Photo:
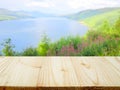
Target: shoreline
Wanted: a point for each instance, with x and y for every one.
(83, 23)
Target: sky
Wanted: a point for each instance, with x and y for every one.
(57, 7)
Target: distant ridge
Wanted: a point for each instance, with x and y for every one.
(6, 14)
(89, 13)
(96, 20)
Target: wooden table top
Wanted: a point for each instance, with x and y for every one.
(59, 71)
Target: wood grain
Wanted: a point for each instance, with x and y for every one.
(38, 72)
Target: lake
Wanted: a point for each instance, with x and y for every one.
(27, 32)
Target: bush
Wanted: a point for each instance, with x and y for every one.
(29, 52)
(111, 47)
(92, 35)
(70, 40)
(52, 50)
(117, 25)
(107, 48)
(92, 50)
(0, 54)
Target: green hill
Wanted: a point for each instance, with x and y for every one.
(10, 15)
(96, 20)
(96, 17)
(89, 13)
(5, 17)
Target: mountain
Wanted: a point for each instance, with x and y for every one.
(10, 15)
(97, 16)
(89, 13)
(98, 19)
(6, 14)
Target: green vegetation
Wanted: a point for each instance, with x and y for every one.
(43, 46)
(29, 52)
(6, 14)
(5, 17)
(90, 13)
(102, 41)
(8, 48)
(96, 20)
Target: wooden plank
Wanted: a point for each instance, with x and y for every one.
(96, 72)
(38, 72)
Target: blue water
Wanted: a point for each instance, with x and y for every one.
(27, 32)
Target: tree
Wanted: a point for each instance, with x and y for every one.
(43, 46)
(8, 48)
